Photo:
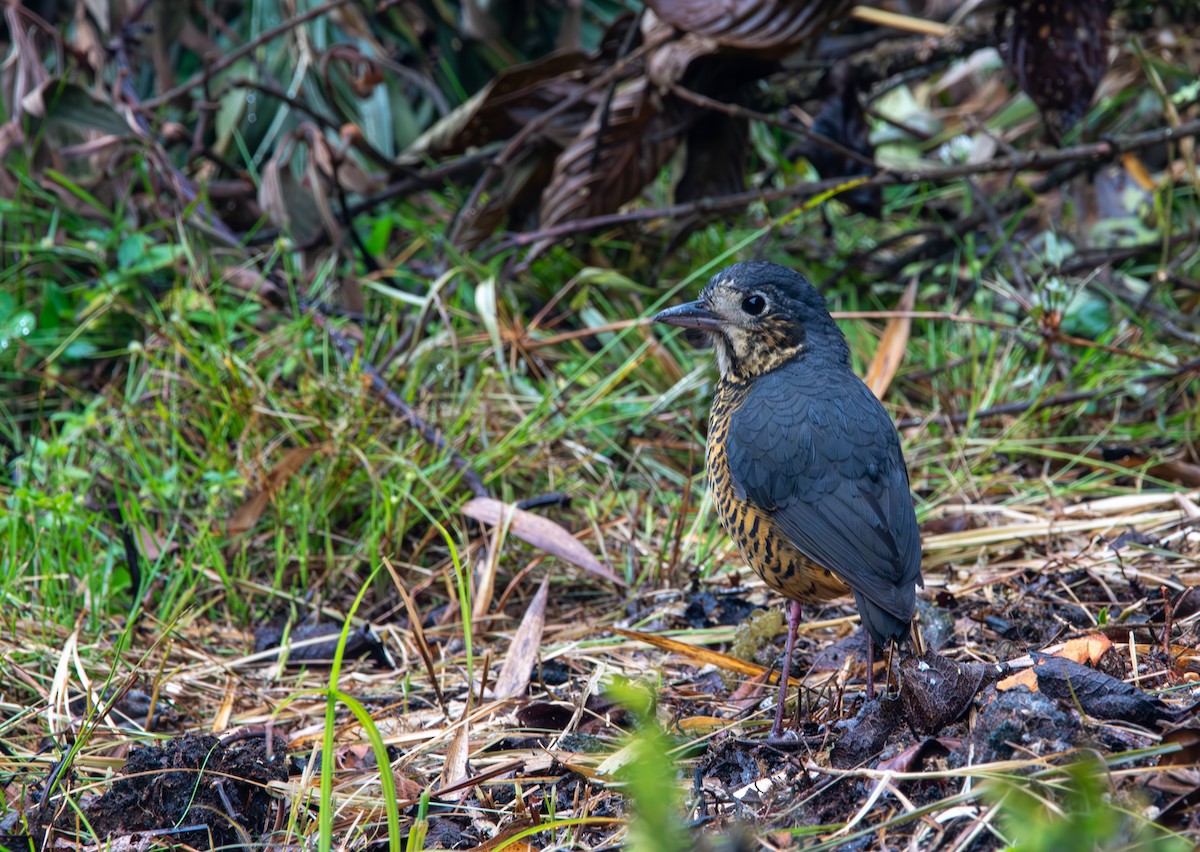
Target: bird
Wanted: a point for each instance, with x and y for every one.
(805, 466)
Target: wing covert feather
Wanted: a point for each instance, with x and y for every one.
(828, 465)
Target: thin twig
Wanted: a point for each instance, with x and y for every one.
(1094, 152)
(380, 385)
(737, 111)
(1034, 405)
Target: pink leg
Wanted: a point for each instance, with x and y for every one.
(793, 619)
(870, 668)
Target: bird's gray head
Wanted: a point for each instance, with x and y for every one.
(759, 316)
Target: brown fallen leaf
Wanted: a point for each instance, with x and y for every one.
(702, 723)
(1178, 471)
(892, 345)
(623, 145)
(455, 768)
(1102, 696)
(770, 29)
(937, 690)
(248, 513)
(913, 758)
(700, 656)
(542, 533)
(153, 544)
(523, 652)
(1086, 650)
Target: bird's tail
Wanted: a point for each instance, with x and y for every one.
(883, 626)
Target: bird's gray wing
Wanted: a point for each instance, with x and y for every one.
(817, 450)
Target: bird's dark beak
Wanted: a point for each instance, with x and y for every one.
(692, 315)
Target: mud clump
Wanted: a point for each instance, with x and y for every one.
(194, 790)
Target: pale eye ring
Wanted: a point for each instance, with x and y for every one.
(754, 304)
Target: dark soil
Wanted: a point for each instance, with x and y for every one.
(194, 790)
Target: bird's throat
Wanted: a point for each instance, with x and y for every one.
(742, 357)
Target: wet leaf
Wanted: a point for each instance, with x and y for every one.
(1188, 740)
(1098, 694)
(71, 105)
(315, 644)
(523, 652)
(152, 544)
(769, 28)
(1057, 50)
(502, 107)
(616, 153)
(287, 202)
(1087, 649)
(545, 716)
(913, 758)
(512, 197)
(937, 690)
(456, 768)
(489, 315)
(1179, 471)
(866, 734)
(542, 533)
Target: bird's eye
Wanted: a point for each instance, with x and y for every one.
(754, 305)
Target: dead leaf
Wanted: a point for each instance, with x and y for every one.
(152, 544)
(700, 656)
(454, 770)
(702, 723)
(285, 200)
(418, 633)
(617, 152)
(937, 690)
(1178, 471)
(1188, 740)
(866, 734)
(542, 533)
(545, 716)
(71, 105)
(523, 652)
(511, 197)
(1100, 695)
(892, 345)
(248, 513)
(1137, 170)
(768, 28)
(1086, 650)
(500, 109)
(913, 758)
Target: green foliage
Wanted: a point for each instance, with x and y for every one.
(650, 775)
(1074, 811)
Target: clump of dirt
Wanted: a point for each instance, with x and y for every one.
(200, 791)
(1027, 721)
